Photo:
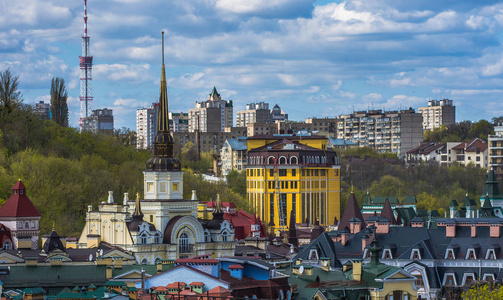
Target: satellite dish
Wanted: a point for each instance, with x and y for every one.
(301, 269)
(325, 263)
(90, 257)
(101, 252)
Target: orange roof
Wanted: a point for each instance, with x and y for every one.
(176, 285)
(161, 289)
(236, 266)
(197, 283)
(218, 290)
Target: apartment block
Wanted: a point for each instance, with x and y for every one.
(213, 115)
(254, 113)
(43, 110)
(233, 155)
(438, 113)
(100, 121)
(390, 131)
(209, 141)
(328, 125)
(146, 126)
(277, 114)
(495, 155)
(179, 122)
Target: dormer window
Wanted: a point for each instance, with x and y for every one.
(143, 239)
(415, 254)
(490, 254)
(449, 279)
(471, 254)
(21, 192)
(449, 254)
(313, 254)
(387, 254)
(468, 278)
(488, 277)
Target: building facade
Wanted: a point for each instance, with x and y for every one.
(254, 113)
(213, 115)
(209, 141)
(438, 113)
(146, 125)
(293, 172)
(391, 131)
(495, 155)
(233, 155)
(43, 110)
(277, 114)
(100, 121)
(179, 122)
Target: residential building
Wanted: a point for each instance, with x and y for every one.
(438, 113)
(146, 125)
(424, 153)
(328, 125)
(100, 121)
(495, 155)
(261, 128)
(474, 152)
(340, 144)
(43, 110)
(213, 115)
(389, 131)
(209, 141)
(277, 114)
(254, 113)
(293, 172)
(179, 122)
(233, 155)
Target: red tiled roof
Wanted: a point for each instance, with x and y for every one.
(161, 289)
(218, 290)
(197, 283)
(236, 266)
(224, 204)
(176, 285)
(19, 205)
(187, 292)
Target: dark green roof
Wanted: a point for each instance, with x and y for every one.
(32, 291)
(453, 203)
(491, 187)
(409, 200)
(115, 283)
(367, 200)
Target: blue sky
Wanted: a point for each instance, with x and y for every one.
(313, 58)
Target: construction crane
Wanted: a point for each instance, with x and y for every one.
(281, 215)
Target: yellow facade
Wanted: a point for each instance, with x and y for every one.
(312, 189)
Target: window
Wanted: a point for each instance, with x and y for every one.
(322, 172)
(27, 225)
(471, 254)
(143, 239)
(294, 172)
(294, 160)
(419, 283)
(295, 184)
(224, 237)
(271, 172)
(316, 172)
(449, 279)
(488, 277)
(183, 243)
(490, 254)
(282, 172)
(282, 160)
(271, 207)
(303, 172)
(150, 187)
(313, 254)
(7, 245)
(175, 187)
(450, 254)
(386, 254)
(415, 254)
(151, 218)
(468, 279)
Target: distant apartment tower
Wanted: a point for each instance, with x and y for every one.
(254, 113)
(323, 124)
(277, 114)
(43, 110)
(179, 122)
(212, 115)
(495, 161)
(391, 131)
(146, 125)
(438, 113)
(100, 121)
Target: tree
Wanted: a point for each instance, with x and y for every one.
(487, 291)
(10, 96)
(497, 120)
(236, 181)
(59, 96)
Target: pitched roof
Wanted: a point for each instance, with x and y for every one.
(352, 210)
(387, 212)
(19, 205)
(491, 187)
(325, 248)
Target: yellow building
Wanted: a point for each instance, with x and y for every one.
(298, 172)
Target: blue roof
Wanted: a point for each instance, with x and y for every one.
(340, 142)
(237, 144)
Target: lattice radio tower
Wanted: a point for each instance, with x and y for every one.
(86, 77)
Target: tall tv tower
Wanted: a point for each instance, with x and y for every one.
(86, 77)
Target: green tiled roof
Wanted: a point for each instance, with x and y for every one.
(115, 283)
(409, 200)
(381, 199)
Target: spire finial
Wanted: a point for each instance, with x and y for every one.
(137, 209)
(163, 48)
(53, 226)
(351, 188)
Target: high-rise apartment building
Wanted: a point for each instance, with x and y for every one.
(293, 172)
(146, 126)
(212, 115)
(179, 122)
(391, 131)
(495, 161)
(254, 113)
(43, 110)
(438, 113)
(100, 121)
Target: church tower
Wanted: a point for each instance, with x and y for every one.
(163, 176)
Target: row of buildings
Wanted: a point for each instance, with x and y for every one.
(211, 122)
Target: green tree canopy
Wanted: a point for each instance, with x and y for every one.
(59, 106)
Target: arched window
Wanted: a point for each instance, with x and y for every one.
(183, 243)
(225, 237)
(282, 160)
(7, 245)
(294, 160)
(270, 160)
(143, 239)
(144, 261)
(157, 238)
(27, 225)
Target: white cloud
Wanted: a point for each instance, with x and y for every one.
(119, 72)
(126, 102)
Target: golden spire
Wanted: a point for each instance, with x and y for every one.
(163, 122)
(53, 226)
(351, 188)
(218, 205)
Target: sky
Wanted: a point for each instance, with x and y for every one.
(313, 58)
